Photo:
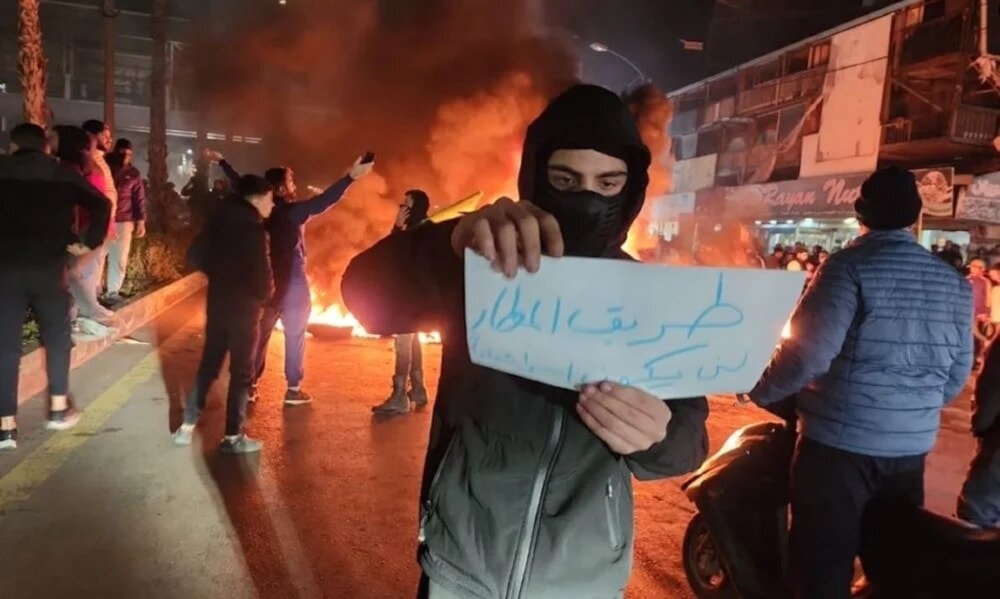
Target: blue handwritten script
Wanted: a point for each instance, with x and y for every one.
(671, 331)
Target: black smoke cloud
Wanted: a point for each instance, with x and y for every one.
(441, 90)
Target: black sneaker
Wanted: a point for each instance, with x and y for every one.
(297, 398)
(8, 439)
(63, 419)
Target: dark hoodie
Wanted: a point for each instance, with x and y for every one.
(232, 252)
(38, 202)
(519, 498)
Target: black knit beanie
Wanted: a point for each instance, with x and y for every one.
(889, 200)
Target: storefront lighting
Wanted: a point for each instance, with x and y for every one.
(789, 222)
(756, 222)
(774, 222)
(808, 223)
(850, 221)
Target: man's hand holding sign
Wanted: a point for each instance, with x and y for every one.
(585, 325)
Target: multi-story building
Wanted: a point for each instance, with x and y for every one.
(762, 26)
(785, 140)
(73, 36)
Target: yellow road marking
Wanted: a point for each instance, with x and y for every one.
(39, 465)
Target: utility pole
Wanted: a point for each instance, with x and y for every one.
(110, 13)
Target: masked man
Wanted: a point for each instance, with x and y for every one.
(527, 487)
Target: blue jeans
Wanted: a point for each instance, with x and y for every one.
(293, 309)
(84, 280)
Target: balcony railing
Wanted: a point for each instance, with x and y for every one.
(782, 91)
(966, 124)
(940, 37)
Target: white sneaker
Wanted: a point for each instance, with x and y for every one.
(184, 435)
(92, 328)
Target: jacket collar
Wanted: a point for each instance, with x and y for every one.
(893, 235)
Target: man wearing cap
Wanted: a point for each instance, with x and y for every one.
(882, 343)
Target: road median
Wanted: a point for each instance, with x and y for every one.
(132, 316)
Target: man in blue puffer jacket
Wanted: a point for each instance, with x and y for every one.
(882, 341)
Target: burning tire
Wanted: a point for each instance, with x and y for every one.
(703, 564)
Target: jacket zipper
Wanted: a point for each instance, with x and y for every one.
(432, 491)
(611, 511)
(523, 552)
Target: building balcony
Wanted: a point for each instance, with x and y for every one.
(941, 136)
(942, 37)
(782, 91)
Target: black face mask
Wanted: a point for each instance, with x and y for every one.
(590, 223)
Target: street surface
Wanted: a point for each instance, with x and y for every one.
(329, 509)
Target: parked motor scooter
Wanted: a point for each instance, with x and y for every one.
(736, 546)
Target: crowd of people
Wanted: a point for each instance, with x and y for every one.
(527, 487)
(73, 204)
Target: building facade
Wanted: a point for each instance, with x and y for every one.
(73, 33)
(785, 140)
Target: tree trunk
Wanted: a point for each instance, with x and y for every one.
(158, 118)
(31, 62)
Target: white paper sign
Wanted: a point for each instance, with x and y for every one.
(671, 331)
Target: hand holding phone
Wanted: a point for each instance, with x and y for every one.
(362, 166)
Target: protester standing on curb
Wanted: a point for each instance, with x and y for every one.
(38, 202)
(130, 217)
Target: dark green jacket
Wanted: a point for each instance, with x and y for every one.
(519, 499)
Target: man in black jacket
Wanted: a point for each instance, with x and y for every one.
(38, 200)
(232, 252)
(527, 487)
(979, 502)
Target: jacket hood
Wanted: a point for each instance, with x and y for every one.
(586, 117)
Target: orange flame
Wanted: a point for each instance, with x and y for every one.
(335, 316)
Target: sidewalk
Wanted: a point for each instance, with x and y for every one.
(126, 516)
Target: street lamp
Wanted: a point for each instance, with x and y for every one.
(602, 49)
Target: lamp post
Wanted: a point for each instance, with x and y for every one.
(639, 75)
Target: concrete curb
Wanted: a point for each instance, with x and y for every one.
(130, 318)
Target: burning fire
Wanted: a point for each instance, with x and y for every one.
(337, 317)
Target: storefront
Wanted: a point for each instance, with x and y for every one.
(817, 211)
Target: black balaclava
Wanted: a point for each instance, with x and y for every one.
(586, 117)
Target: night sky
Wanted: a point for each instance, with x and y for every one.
(646, 31)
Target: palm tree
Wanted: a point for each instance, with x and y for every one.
(31, 62)
(158, 115)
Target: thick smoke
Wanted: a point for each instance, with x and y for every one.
(443, 94)
(653, 112)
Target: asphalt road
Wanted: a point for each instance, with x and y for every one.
(329, 509)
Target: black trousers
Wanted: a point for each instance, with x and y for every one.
(831, 489)
(45, 290)
(230, 330)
